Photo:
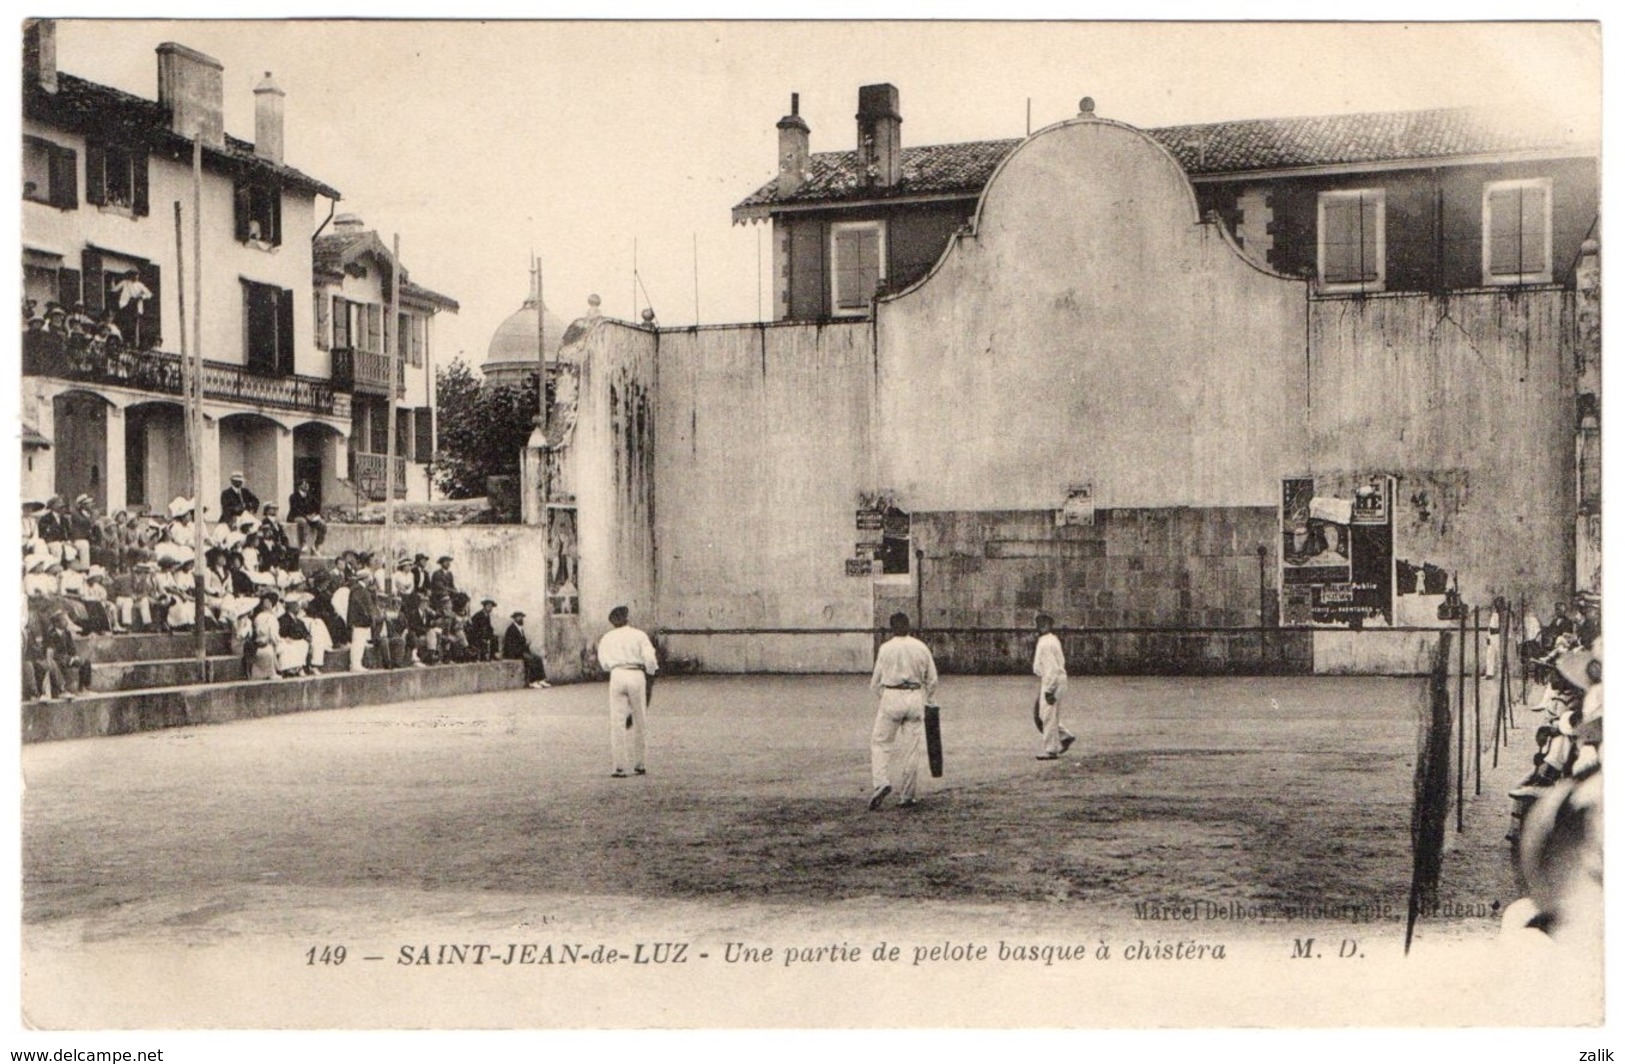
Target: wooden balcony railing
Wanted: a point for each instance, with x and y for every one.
(367, 473)
(74, 358)
(370, 372)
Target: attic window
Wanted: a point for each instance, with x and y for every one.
(259, 213)
(857, 265)
(1518, 232)
(116, 177)
(1352, 244)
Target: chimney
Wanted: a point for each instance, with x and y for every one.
(190, 85)
(39, 53)
(349, 223)
(880, 135)
(793, 144)
(268, 120)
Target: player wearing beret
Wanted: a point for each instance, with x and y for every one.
(627, 655)
(1049, 665)
(905, 676)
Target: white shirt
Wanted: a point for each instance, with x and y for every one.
(902, 659)
(1049, 663)
(627, 647)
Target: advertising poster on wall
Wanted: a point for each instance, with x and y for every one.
(1336, 553)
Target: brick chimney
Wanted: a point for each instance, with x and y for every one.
(793, 148)
(39, 53)
(880, 135)
(190, 84)
(349, 223)
(268, 120)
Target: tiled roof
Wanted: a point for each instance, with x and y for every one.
(86, 107)
(1209, 149)
(333, 251)
(1336, 140)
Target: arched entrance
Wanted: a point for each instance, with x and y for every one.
(318, 452)
(81, 446)
(248, 443)
(157, 466)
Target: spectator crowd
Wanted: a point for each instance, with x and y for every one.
(86, 574)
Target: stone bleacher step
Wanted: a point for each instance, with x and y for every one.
(149, 709)
(149, 646)
(110, 676)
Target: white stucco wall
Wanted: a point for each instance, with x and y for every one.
(1091, 331)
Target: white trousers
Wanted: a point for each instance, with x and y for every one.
(360, 640)
(1050, 716)
(627, 691)
(897, 741)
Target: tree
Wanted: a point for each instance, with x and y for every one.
(483, 429)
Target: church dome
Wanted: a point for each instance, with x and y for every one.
(512, 354)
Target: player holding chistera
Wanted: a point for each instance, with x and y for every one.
(627, 655)
(905, 677)
(1049, 665)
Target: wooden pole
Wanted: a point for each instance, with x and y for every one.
(201, 639)
(392, 351)
(544, 421)
(1478, 726)
(1461, 715)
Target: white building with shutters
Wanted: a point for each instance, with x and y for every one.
(103, 173)
(353, 290)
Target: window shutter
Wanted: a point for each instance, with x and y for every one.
(152, 318)
(1532, 224)
(846, 254)
(94, 294)
(1368, 239)
(64, 178)
(424, 423)
(240, 199)
(403, 432)
(341, 322)
(138, 182)
(403, 338)
(67, 287)
(324, 339)
(95, 172)
(275, 192)
(1505, 231)
(284, 331)
(260, 306)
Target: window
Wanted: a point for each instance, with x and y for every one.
(1352, 246)
(857, 265)
(126, 287)
(1518, 232)
(341, 322)
(47, 280)
(319, 306)
(259, 213)
(268, 329)
(116, 177)
(423, 443)
(50, 173)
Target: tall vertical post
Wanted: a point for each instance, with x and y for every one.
(544, 422)
(1478, 690)
(1461, 716)
(392, 348)
(198, 627)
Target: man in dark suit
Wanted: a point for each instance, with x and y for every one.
(361, 615)
(442, 584)
(482, 635)
(516, 647)
(237, 500)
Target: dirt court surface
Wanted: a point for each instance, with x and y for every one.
(496, 815)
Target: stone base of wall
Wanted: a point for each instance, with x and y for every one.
(1160, 652)
(176, 707)
(842, 652)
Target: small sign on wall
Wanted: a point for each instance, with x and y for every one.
(1079, 507)
(859, 567)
